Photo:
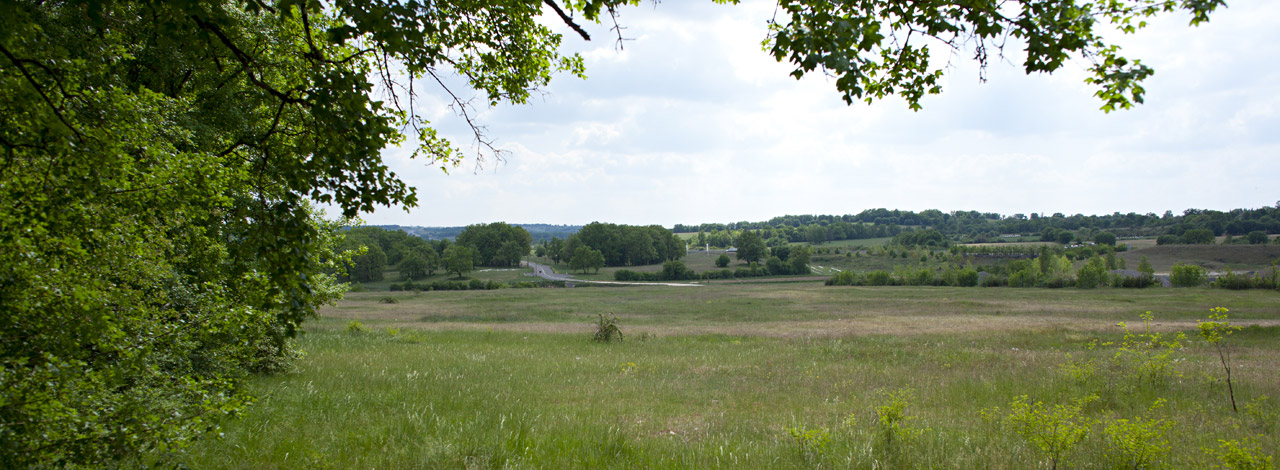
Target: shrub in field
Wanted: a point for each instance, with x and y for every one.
(843, 278)
(967, 277)
(1187, 275)
(811, 443)
(1024, 278)
(1139, 442)
(1215, 332)
(1054, 431)
(722, 261)
(1257, 237)
(356, 327)
(607, 329)
(1199, 236)
(1231, 280)
(1092, 274)
(877, 278)
(892, 422)
(1147, 355)
(388, 300)
(676, 271)
(1235, 455)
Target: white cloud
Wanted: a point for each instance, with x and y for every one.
(692, 122)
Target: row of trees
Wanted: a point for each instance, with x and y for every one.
(970, 225)
(813, 233)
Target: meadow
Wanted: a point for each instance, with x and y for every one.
(791, 375)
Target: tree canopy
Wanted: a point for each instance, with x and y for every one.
(496, 244)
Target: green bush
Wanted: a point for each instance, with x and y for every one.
(607, 329)
(1188, 275)
(843, 278)
(1054, 431)
(1092, 274)
(676, 271)
(1231, 280)
(967, 277)
(877, 278)
(1199, 236)
(722, 261)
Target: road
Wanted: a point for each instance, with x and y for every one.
(545, 272)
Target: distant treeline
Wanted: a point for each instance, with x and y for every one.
(974, 226)
(539, 232)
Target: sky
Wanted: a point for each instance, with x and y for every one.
(693, 122)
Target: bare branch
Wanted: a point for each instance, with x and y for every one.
(460, 107)
(617, 28)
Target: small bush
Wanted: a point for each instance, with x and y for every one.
(388, 300)
(1235, 455)
(1139, 442)
(1188, 275)
(843, 278)
(894, 424)
(810, 442)
(1147, 355)
(607, 329)
(1230, 280)
(356, 327)
(877, 278)
(967, 277)
(1055, 432)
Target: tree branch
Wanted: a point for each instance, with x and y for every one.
(567, 20)
(56, 111)
(478, 131)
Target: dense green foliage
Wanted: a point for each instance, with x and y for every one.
(160, 162)
(751, 247)
(621, 245)
(868, 46)
(1188, 275)
(496, 244)
(928, 237)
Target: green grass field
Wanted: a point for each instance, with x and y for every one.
(1213, 257)
(719, 376)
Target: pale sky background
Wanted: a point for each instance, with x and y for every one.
(693, 122)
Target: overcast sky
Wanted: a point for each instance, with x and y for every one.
(694, 123)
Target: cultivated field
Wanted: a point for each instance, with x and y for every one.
(759, 376)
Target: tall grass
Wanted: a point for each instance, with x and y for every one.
(483, 398)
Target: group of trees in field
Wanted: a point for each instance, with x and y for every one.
(496, 244)
(598, 245)
(376, 249)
